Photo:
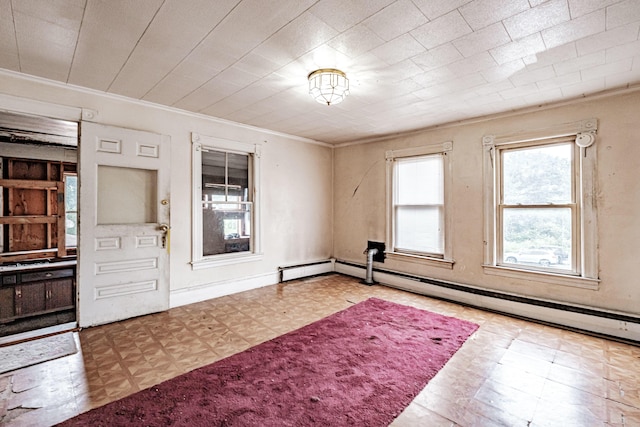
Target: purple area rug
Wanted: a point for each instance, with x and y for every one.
(360, 366)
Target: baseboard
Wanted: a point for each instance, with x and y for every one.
(597, 321)
(298, 271)
(207, 291)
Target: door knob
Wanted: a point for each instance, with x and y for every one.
(163, 227)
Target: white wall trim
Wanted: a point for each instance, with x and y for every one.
(149, 104)
(190, 295)
(15, 104)
(582, 321)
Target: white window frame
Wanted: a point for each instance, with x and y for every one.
(584, 241)
(203, 142)
(391, 156)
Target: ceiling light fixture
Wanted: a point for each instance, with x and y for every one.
(328, 85)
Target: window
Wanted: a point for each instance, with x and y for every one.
(71, 209)
(225, 201)
(417, 202)
(536, 202)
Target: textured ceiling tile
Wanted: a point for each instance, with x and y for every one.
(251, 64)
(295, 39)
(399, 49)
(551, 56)
(525, 77)
(8, 43)
(342, 15)
(437, 57)
(566, 32)
(584, 88)
(617, 67)
(441, 30)
(45, 48)
(436, 8)
(623, 13)
(184, 79)
(461, 84)
(627, 50)
(519, 91)
(473, 64)
(171, 90)
(256, 64)
(504, 71)
(63, 13)
(493, 88)
(402, 70)
(398, 18)
(212, 91)
(560, 81)
(544, 96)
(176, 29)
(583, 7)
(580, 63)
(109, 33)
(622, 79)
(356, 41)
(482, 13)
(518, 49)
(434, 77)
(539, 18)
(607, 39)
(481, 40)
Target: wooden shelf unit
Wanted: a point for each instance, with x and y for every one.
(33, 209)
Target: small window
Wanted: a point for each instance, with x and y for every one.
(417, 203)
(537, 206)
(71, 210)
(225, 201)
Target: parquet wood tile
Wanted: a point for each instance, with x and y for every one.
(510, 372)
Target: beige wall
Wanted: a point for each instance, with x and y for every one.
(296, 180)
(359, 199)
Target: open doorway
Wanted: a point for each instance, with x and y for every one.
(38, 223)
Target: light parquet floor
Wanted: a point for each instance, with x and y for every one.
(509, 373)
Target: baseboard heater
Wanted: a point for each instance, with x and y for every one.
(585, 319)
(291, 272)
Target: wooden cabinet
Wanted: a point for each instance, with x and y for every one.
(31, 293)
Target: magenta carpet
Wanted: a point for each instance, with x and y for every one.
(360, 366)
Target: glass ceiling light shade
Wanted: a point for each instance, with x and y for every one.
(328, 86)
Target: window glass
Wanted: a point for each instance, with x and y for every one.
(71, 210)
(538, 209)
(419, 205)
(538, 175)
(538, 237)
(226, 204)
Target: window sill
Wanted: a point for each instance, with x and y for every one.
(422, 260)
(537, 276)
(226, 259)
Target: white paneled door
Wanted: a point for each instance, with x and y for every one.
(123, 263)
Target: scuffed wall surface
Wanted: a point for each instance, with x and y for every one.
(359, 198)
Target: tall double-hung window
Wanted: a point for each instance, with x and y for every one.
(417, 204)
(225, 182)
(539, 207)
